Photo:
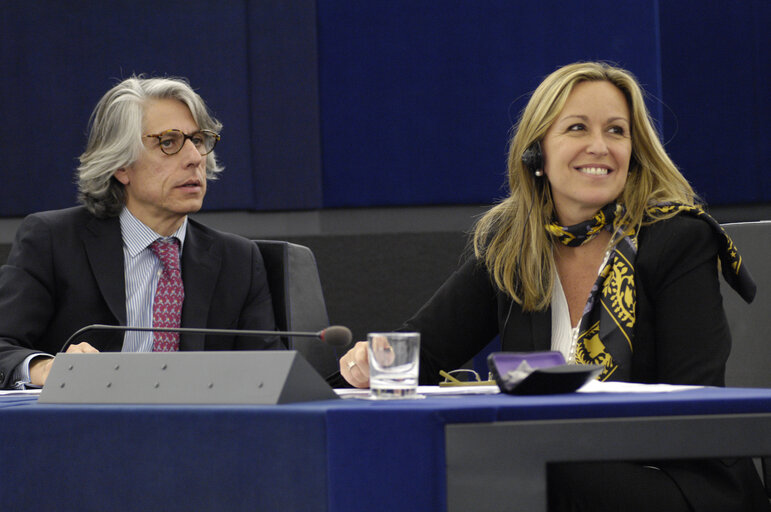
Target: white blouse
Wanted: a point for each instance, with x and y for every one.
(564, 336)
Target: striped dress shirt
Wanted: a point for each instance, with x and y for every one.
(142, 271)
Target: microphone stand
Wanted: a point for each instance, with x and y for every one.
(192, 330)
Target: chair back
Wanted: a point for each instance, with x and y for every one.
(298, 300)
(749, 364)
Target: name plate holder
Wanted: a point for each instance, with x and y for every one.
(233, 377)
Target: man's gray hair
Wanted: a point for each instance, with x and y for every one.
(115, 138)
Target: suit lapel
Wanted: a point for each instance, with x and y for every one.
(524, 332)
(201, 261)
(541, 325)
(104, 246)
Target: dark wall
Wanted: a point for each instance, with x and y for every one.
(253, 61)
(417, 98)
(376, 282)
(333, 103)
(716, 69)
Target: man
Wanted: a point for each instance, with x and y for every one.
(129, 255)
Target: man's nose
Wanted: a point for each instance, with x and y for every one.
(191, 153)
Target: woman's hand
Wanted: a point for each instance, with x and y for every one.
(354, 365)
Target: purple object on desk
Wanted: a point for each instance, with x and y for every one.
(538, 373)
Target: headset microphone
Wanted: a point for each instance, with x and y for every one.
(532, 157)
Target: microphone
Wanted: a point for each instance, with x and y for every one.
(335, 335)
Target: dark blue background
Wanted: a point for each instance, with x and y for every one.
(333, 103)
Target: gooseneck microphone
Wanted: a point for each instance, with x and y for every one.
(335, 335)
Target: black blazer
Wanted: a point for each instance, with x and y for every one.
(65, 271)
(681, 334)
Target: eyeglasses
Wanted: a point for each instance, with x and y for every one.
(464, 377)
(172, 141)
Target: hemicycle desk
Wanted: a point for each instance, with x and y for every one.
(480, 452)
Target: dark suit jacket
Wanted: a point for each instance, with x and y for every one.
(65, 271)
(681, 336)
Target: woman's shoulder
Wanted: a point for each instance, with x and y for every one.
(683, 229)
(677, 244)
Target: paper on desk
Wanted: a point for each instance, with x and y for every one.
(426, 391)
(20, 392)
(593, 386)
(596, 386)
(459, 390)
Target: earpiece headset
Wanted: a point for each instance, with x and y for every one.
(532, 157)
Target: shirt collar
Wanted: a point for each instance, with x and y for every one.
(137, 236)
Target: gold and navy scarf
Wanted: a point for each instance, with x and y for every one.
(606, 327)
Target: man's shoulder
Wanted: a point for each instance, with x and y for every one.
(73, 215)
(217, 236)
(59, 221)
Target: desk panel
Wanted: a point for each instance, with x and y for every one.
(336, 455)
(70, 458)
(493, 466)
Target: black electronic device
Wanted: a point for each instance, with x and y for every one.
(538, 373)
(532, 157)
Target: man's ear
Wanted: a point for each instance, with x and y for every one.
(122, 176)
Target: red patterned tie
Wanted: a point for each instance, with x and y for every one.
(169, 295)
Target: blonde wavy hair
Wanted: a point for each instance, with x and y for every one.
(511, 238)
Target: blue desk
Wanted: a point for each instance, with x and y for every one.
(336, 455)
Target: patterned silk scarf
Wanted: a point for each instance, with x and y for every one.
(606, 328)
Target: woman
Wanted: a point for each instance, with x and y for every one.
(596, 210)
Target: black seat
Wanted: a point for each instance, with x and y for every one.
(749, 364)
(298, 300)
(750, 359)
